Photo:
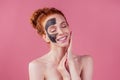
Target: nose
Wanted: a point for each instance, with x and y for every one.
(60, 31)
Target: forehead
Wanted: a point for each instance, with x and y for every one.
(59, 18)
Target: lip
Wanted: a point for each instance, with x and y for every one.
(62, 39)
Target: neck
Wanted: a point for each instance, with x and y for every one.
(57, 53)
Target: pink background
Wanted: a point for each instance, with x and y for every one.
(96, 31)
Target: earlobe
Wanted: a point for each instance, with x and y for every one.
(45, 38)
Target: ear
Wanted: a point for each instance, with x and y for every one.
(45, 37)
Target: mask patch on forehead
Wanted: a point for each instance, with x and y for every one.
(50, 22)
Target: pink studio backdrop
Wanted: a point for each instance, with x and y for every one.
(96, 31)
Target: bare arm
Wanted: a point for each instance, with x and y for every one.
(73, 71)
(71, 63)
(87, 71)
(36, 71)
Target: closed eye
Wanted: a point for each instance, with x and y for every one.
(52, 29)
(64, 25)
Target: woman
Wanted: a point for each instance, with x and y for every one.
(59, 63)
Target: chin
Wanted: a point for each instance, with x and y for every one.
(65, 44)
(62, 45)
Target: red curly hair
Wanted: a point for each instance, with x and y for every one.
(40, 15)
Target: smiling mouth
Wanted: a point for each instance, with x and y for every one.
(62, 39)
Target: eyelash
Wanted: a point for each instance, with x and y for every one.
(53, 30)
(64, 26)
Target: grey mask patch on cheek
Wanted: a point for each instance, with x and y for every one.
(52, 37)
(50, 22)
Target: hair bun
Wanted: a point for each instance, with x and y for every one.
(38, 15)
(35, 16)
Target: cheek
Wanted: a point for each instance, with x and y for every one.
(52, 37)
(66, 30)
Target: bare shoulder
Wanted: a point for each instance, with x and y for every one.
(35, 66)
(37, 69)
(38, 62)
(35, 63)
(87, 67)
(84, 59)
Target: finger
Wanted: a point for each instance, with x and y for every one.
(70, 36)
(63, 60)
(70, 45)
(62, 64)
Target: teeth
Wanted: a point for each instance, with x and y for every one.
(63, 38)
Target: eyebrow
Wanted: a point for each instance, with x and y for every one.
(63, 22)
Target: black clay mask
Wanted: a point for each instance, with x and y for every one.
(50, 22)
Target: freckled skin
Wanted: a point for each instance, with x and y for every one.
(49, 23)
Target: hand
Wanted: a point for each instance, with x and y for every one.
(63, 65)
(71, 63)
(69, 50)
(62, 68)
(68, 60)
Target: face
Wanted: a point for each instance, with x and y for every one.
(57, 29)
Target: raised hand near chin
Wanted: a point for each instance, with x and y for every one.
(69, 50)
(71, 63)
